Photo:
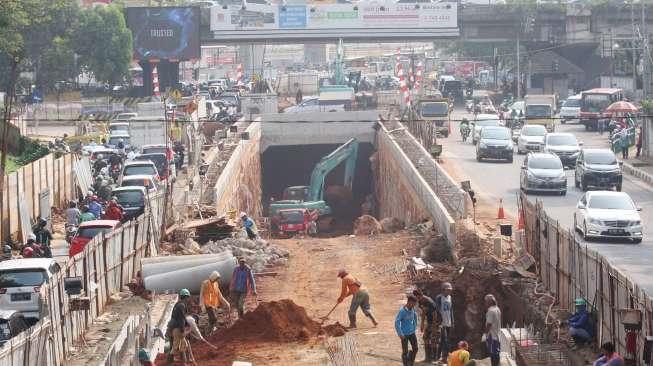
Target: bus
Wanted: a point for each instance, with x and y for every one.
(594, 102)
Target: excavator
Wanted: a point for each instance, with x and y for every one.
(311, 197)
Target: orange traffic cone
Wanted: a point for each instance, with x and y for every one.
(520, 223)
(501, 215)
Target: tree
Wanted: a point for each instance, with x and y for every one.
(104, 44)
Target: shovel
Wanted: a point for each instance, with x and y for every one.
(324, 318)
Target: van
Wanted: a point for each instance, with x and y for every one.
(21, 281)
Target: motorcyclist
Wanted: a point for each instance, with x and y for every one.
(6, 253)
(464, 128)
(114, 211)
(179, 150)
(99, 163)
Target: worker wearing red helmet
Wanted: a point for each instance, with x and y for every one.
(460, 357)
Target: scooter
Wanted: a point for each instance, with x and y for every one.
(71, 231)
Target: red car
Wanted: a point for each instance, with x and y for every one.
(88, 230)
(293, 221)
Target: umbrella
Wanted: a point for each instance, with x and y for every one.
(621, 106)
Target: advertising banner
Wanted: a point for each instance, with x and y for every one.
(165, 33)
(318, 16)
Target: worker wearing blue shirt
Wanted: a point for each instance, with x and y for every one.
(242, 282)
(250, 226)
(580, 327)
(405, 325)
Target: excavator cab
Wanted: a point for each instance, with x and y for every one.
(295, 193)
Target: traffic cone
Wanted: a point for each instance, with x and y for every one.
(501, 215)
(520, 223)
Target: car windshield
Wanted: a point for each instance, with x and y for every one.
(115, 140)
(229, 98)
(140, 169)
(131, 197)
(22, 277)
(90, 232)
(435, 109)
(544, 163)
(159, 160)
(601, 158)
(119, 128)
(561, 140)
(535, 130)
(572, 103)
(154, 150)
(595, 102)
(137, 183)
(496, 133)
(538, 111)
(611, 203)
(292, 217)
(487, 122)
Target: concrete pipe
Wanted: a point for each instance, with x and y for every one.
(191, 278)
(150, 269)
(172, 258)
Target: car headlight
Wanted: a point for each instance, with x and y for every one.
(635, 223)
(595, 221)
(533, 177)
(562, 176)
(508, 147)
(482, 145)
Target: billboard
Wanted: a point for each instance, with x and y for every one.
(171, 33)
(361, 16)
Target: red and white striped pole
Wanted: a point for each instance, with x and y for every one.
(403, 87)
(418, 77)
(239, 74)
(155, 81)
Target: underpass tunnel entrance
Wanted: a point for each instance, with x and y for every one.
(285, 166)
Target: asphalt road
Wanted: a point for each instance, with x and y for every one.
(494, 180)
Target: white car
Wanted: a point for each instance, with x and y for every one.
(307, 105)
(483, 120)
(140, 180)
(606, 214)
(116, 128)
(531, 138)
(126, 116)
(139, 167)
(570, 111)
(21, 281)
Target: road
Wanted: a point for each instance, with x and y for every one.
(499, 180)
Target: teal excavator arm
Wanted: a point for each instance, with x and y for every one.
(347, 152)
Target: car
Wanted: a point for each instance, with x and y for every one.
(531, 138)
(495, 143)
(232, 98)
(543, 172)
(140, 180)
(163, 165)
(597, 168)
(20, 284)
(139, 167)
(310, 104)
(103, 153)
(115, 139)
(570, 111)
(132, 199)
(125, 116)
(12, 323)
(483, 120)
(214, 106)
(564, 145)
(117, 128)
(294, 220)
(87, 230)
(607, 214)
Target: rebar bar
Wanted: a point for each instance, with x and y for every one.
(342, 351)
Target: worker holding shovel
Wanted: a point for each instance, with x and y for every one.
(360, 297)
(211, 298)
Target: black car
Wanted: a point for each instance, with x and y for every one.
(495, 143)
(11, 324)
(597, 168)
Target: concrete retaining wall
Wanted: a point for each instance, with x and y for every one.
(287, 129)
(404, 193)
(239, 185)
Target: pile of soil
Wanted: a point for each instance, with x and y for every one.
(366, 225)
(391, 225)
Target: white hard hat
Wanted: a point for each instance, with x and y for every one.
(243, 214)
(31, 236)
(214, 275)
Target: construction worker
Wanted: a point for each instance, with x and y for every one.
(444, 305)
(250, 226)
(176, 327)
(144, 358)
(429, 326)
(360, 297)
(405, 326)
(492, 328)
(193, 330)
(242, 282)
(211, 298)
(460, 357)
(581, 328)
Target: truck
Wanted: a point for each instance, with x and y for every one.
(149, 128)
(436, 110)
(311, 197)
(540, 110)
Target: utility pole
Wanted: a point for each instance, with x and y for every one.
(9, 101)
(633, 46)
(518, 96)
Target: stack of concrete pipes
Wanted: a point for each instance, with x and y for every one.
(172, 273)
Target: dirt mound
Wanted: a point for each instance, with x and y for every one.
(436, 249)
(366, 225)
(391, 225)
(334, 330)
(274, 321)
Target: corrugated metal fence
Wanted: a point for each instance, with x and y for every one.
(570, 270)
(105, 265)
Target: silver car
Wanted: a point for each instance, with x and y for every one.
(21, 281)
(606, 214)
(531, 138)
(543, 172)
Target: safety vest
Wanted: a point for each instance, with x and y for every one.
(455, 358)
(211, 294)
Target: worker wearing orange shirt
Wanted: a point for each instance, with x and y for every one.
(360, 297)
(460, 357)
(211, 298)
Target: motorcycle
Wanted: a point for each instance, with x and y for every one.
(71, 231)
(464, 132)
(469, 92)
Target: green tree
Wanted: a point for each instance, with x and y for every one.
(104, 44)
